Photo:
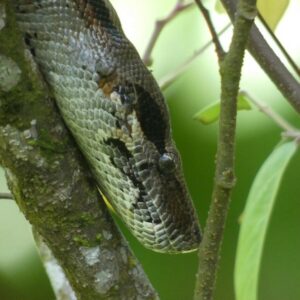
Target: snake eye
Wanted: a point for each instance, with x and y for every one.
(167, 163)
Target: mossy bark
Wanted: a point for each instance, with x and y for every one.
(51, 182)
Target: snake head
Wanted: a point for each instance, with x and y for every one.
(155, 203)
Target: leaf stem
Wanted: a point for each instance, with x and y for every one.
(289, 131)
(268, 111)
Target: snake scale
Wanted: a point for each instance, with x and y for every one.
(117, 115)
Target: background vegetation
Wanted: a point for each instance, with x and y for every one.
(21, 274)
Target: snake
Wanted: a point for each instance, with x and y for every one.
(117, 114)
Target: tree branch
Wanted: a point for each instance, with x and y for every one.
(215, 37)
(230, 70)
(6, 196)
(269, 61)
(279, 44)
(51, 182)
(57, 277)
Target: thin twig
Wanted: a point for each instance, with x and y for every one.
(6, 196)
(269, 61)
(279, 44)
(230, 71)
(292, 135)
(167, 80)
(289, 131)
(219, 49)
(273, 115)
(57, 277)
(159, 26)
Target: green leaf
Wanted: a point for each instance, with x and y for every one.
(255, 221)
(210, 113)
(219, 7)
(243, 102)
(272, 11)
(209, 4)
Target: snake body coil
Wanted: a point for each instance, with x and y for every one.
(117, 114)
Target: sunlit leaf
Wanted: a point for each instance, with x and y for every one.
(219, 7)
(243, 102)
(255, 220)
(209, 4)
(208, 114)
(211, 112)
(272, 11)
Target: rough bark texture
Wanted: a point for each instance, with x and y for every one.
(230, 71)
(52, 185)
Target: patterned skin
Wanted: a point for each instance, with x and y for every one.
(116, 113)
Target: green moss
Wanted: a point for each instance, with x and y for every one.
(48, 145)
(98, 237)
(132, 262)
(28, 90)
(22, 104)
(81, 241)
(87, 218)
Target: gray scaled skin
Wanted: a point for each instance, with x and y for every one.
(117, 114)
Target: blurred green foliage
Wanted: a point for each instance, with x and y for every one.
(21, 274)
